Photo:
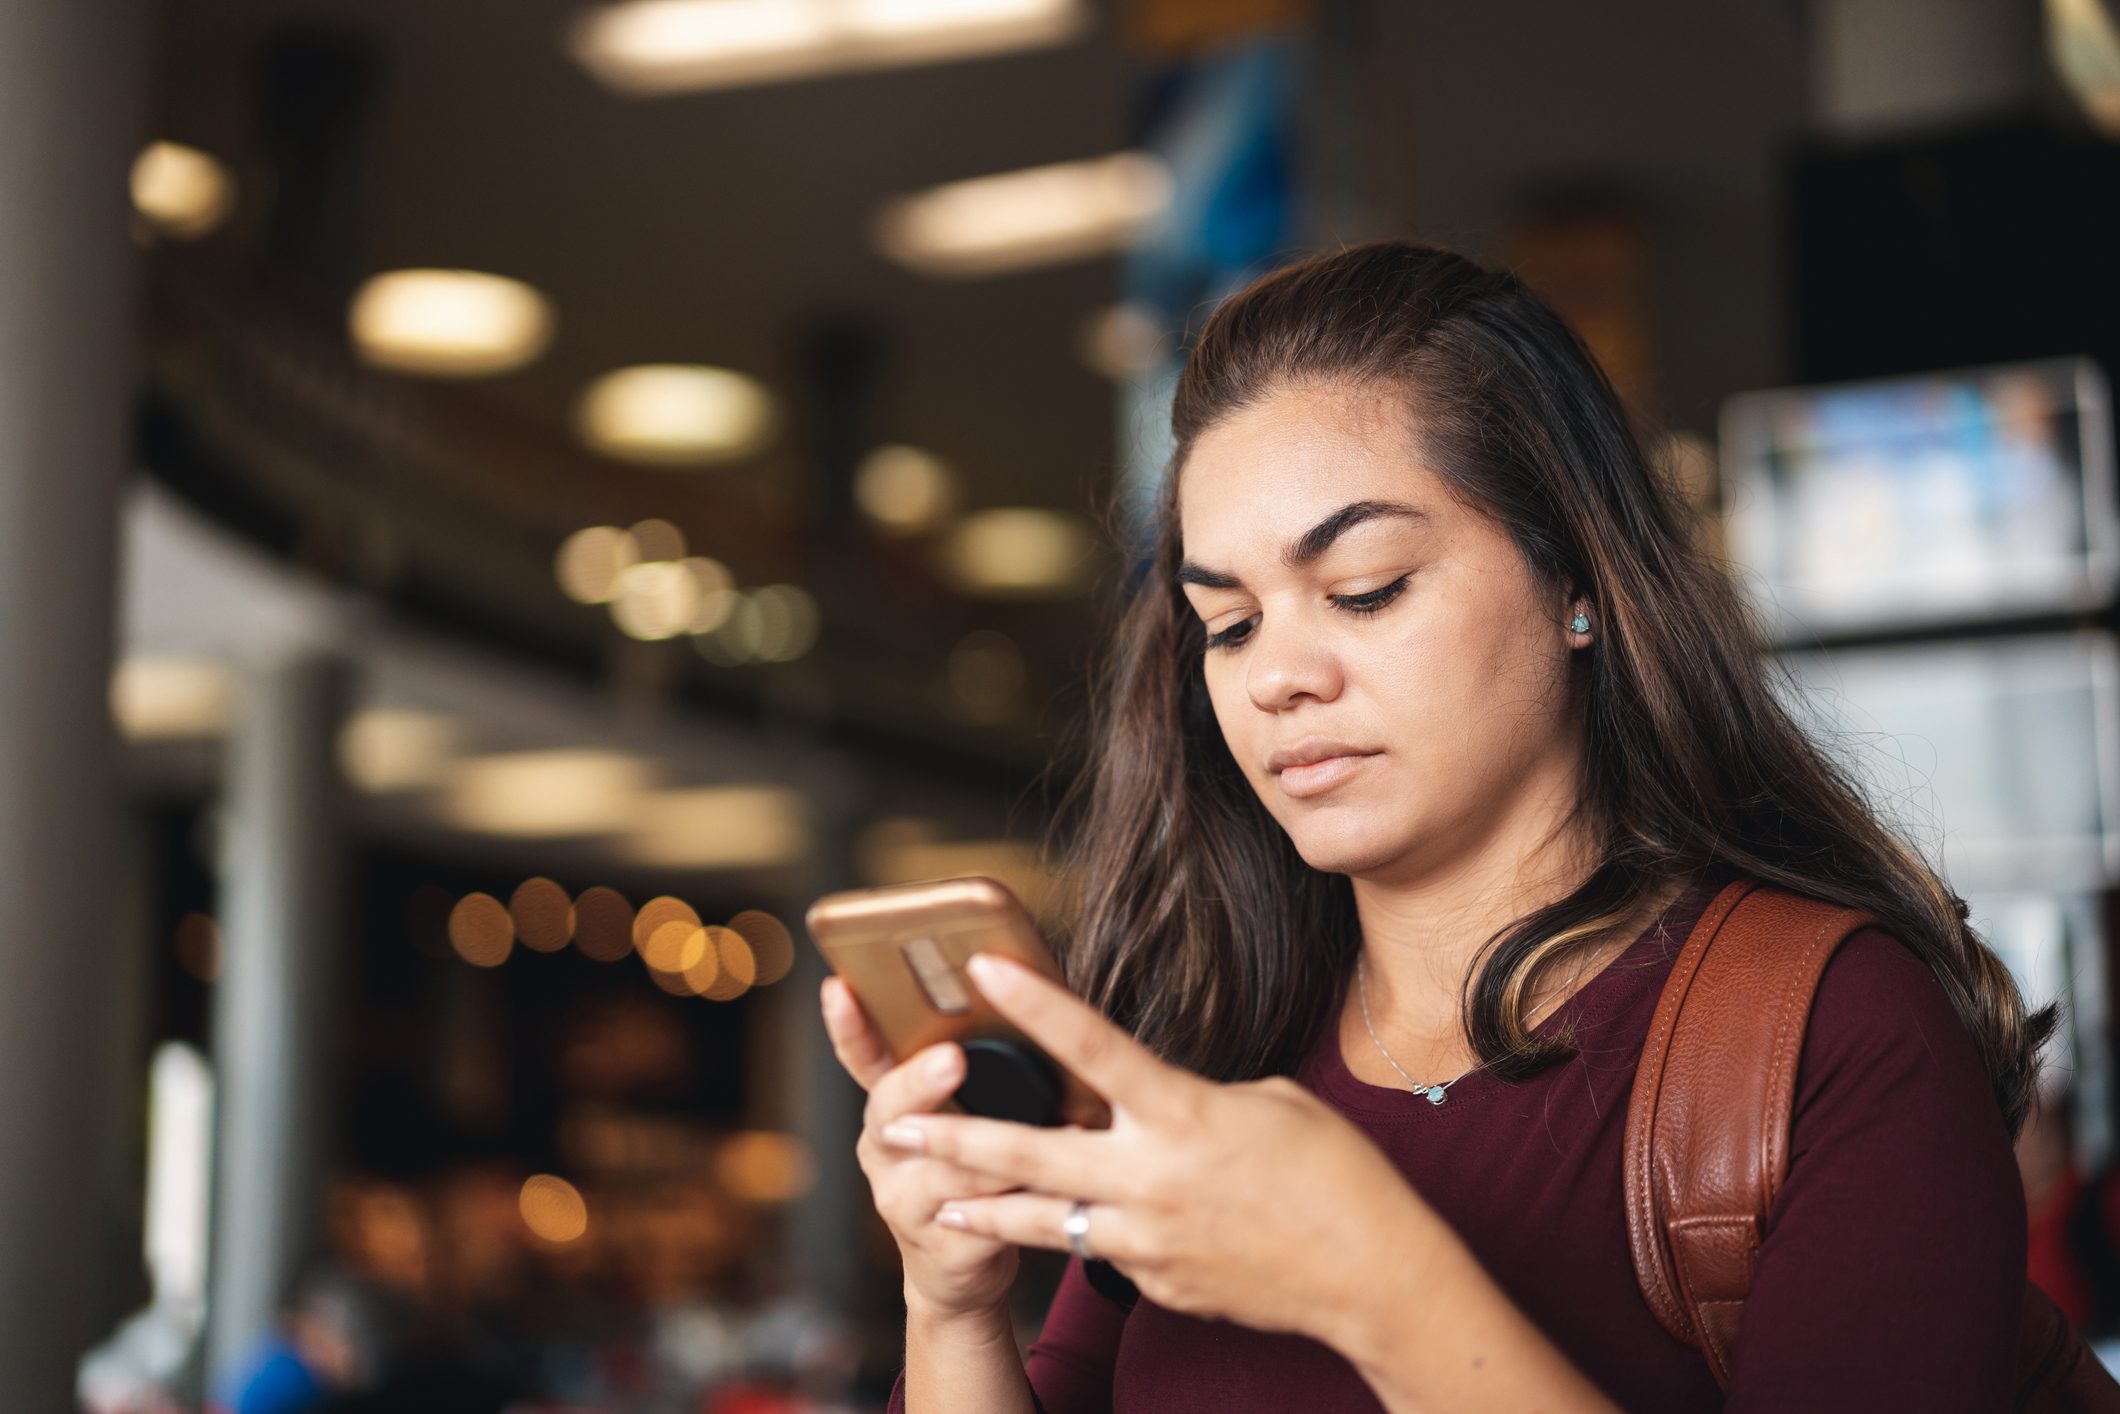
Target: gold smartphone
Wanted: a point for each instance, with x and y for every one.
(902, 949)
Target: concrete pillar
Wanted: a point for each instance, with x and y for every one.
(281, 912)
(823, 1102)
(68, 75)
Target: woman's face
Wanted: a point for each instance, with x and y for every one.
(1385, 671)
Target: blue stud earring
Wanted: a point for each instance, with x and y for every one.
(1581, 623)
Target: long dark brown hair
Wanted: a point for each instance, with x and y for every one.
(1197, 925)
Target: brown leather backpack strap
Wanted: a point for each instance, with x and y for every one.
(1708, 1123)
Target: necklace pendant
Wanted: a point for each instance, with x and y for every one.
(1436, 1095)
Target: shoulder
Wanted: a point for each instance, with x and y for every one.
(1892, 1268)
(1885, 1054)
(1878, 1002)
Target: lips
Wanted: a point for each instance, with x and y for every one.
(1314, 765)
(1310, 750)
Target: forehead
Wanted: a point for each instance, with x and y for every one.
(1279, 465)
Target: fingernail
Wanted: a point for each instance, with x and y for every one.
(952, 1216)
(991, 976)
(942, 1064)
(905, 1136)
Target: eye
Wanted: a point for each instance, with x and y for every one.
(1233, 636)
(1374, 600)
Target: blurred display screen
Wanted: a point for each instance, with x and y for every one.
(1995, 756)
(1971, 495)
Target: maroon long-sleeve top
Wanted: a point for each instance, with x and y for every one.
(1889, 1277)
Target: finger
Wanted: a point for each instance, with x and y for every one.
(854, 1041)
(1064, 1160)
(1075, 1034)
(929, 1183)
(915, 1188)
(923, 1081)
(1037, 1220)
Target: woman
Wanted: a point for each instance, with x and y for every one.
(1426, 740)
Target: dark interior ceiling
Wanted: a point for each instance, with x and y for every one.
(726, 227)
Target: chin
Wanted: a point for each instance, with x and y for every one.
(1352, 846)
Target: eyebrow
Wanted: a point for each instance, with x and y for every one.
(1312, 543)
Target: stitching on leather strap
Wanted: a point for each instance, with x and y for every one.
(1718, 1361)
(1774, 1136)
(1641, 1193)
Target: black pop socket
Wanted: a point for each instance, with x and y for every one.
(1008, 1080)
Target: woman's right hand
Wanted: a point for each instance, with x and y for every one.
(950, 1272)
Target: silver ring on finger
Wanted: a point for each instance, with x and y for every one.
(1077, 1229)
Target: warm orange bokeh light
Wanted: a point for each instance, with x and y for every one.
(481, 931)
(772, 946)
(603, 924)
(653, 915)
(543, 914)
(738, 967)
(553, 1209)
(675, 946)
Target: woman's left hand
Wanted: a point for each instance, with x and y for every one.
(1252, 1202)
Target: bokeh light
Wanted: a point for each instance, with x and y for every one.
(1018, 551)
(668, 414)
(481, 931)
(603, 924)
(764, 1166)
(448, 323)
(1018, 220)
(539, 794)
(674, 983)
(656, 912)
(787, 622)
(772, 946)
(590, 561)
(656, 599)
(543, 915)
(905, 490)
(181, 191)
(718, 827)
(386, 749)
(737, 970)
(739, 635)
(675, 946)
(167, 699)
(553, 1209)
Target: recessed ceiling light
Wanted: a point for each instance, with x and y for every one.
(666, 46)
(157, 699)
(669, 414)
(539, 794)
(449, 323)
(182, 191)
(656, 599)
(590, 561)
(718, 827)
(905, 490)
(396, 748)
(1018, 550)
(1019, 220)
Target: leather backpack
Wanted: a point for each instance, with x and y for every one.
(1707, 1143)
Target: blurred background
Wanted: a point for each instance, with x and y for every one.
(504, 503)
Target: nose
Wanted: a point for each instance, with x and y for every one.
(1286, 665)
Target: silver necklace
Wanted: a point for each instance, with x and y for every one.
(1436, 1093)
